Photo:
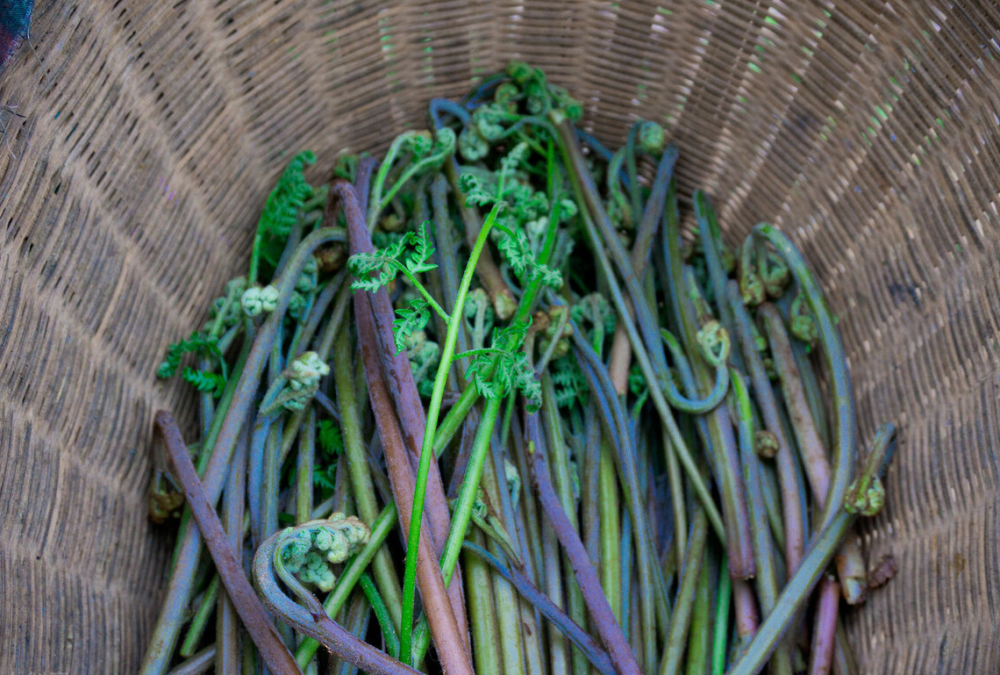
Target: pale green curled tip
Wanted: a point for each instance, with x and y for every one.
(866, 495)
(774, 273)
(765, 443)
(257, 300)
(309, 551)
(673, 395)
(801, 324)
(866, 503)
(752, 290)
(297, 385)
(715, 344)
(652, 138)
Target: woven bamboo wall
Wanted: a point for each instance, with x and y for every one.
(153, 130)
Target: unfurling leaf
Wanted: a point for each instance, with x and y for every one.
(411, 319)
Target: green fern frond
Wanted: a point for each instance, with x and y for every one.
(411, 319)
(569, 382)
(207, 383)
(325, 479)
(287, 197)
(331, 441)
(496, 374)
(411, 253)
(195, 344)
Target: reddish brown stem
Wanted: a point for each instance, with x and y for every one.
(258, 624)
(747, 616)
(850, 563)
(825, 632)
(412, 417)
(440, 616)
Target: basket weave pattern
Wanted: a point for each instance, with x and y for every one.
(153, 131)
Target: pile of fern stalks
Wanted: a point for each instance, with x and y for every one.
(619, 447)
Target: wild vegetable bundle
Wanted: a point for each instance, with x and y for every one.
(618, 447)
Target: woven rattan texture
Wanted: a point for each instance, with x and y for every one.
(152, 131)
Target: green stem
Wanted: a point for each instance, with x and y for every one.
(687, 460)
(681, 623)
(305, 464)
(699, 639)
(362, 486)
(479, 596)
(381, 615)
(379, 183)
(427, 450)
(423, 291)
(611, 534)
(562, 482)
(201, 617)
(844, 449)
(463, 510)
(721, 622)
(796, 592)
(507, 603)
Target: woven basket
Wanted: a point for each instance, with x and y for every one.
(153, 131)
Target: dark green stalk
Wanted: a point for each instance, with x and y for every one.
(585, 192)
(479, 597)
(767, 582)
(381, 615)
(580, 638)
(507, 604)
(227, 624)
(330, 291)
(683, 608)
(362, 487)
(272, 453)
(597, 605)
(639, 259)
(590, 494)
(721, 444)
(447, 251)
(844, 662)
(305, 464)
(201, 616)
(700, 635)
(356, 620)
(610, 526)
(721, 629)
(618, 433)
